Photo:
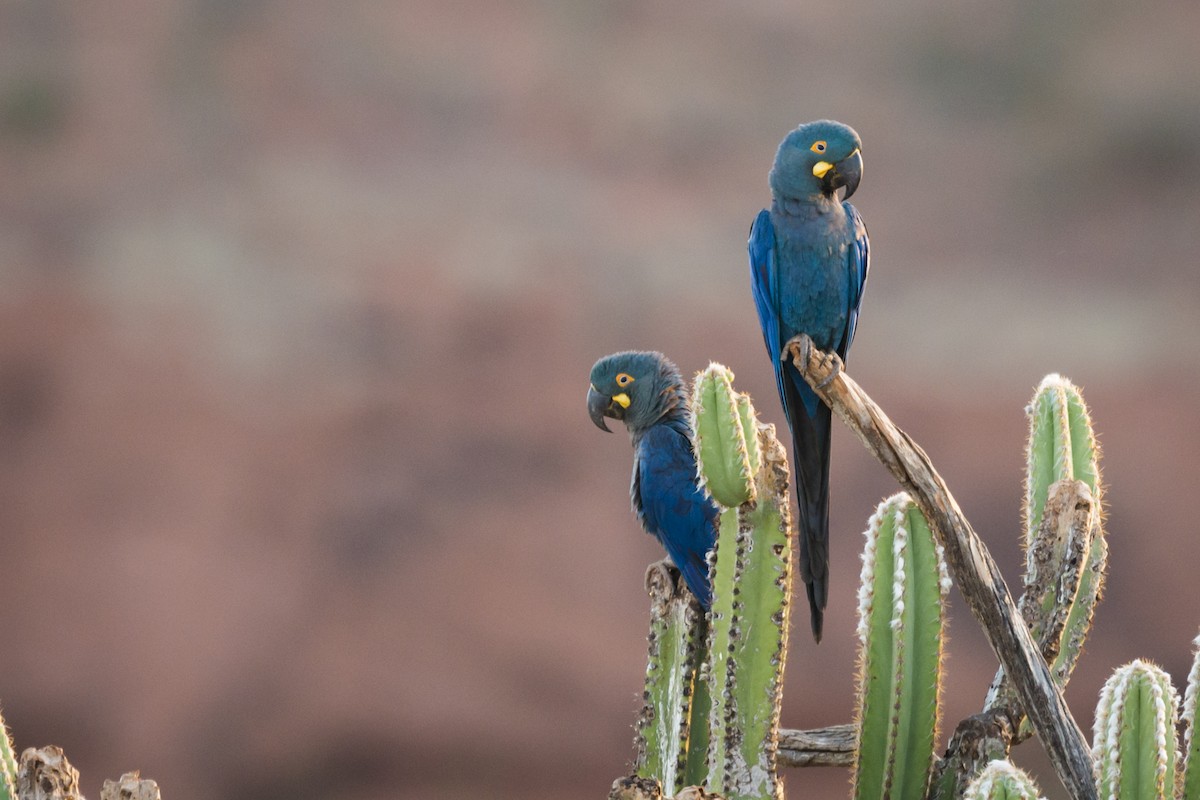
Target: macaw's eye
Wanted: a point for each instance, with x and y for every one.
(624, 379)
(818, 147)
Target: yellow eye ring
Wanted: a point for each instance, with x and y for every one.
(624, 379)
(818, 147)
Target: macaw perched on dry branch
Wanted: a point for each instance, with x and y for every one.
(808, 267)
(647, 393)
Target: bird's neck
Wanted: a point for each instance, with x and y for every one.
(813, 205)
(672, 410)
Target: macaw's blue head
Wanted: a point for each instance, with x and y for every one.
(816, 160)
(637, 387)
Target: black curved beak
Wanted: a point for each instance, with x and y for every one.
(599, 407)
(847, 172)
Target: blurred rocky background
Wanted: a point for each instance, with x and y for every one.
(298, 494)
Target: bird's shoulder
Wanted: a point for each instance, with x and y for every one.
(666, 444)
(854, 221)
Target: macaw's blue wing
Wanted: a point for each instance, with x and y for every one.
(860, 265)
(671, 504)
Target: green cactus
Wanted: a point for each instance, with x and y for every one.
(751, 576)
(1065, 557)
(722, 422)
(1191, 767)
(1134, 741)
(901, 633)
(1000, 780)
(665, 729)
(1062, 447)
(8, 765)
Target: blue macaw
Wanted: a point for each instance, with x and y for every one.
(645, 390)
(808, 266)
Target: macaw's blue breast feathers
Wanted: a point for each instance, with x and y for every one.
(809, 259)
(645, 390)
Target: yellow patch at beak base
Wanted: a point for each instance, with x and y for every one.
(621, 399)
(821, 167)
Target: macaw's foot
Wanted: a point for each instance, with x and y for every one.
(804, 349)
(835, 368)
(666, 573)
(805, 345)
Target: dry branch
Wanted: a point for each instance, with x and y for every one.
(821, 747)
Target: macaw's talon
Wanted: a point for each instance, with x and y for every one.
(805, 344)
(835, 368)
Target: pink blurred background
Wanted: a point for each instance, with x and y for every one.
(298, 493)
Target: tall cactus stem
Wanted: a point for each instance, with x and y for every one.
(748, 628)
(1001, 780)
(1063, 524)
(901, 635)
(1134, 740)
(1191, 747)
(720, 419)
(676, 642)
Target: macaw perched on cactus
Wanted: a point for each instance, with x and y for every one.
(808, 266)
(646, 392)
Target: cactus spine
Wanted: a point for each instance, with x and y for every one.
(1134, 741)
(1000, 780)
(1191, 768)
(745, 469)
(901, 634)
(665, 725)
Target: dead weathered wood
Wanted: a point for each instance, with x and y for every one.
(130, 786)
(976, 742)
(821, 747)
(971, 566)
(45, 774)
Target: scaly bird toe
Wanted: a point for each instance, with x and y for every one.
(806, 346)
(835, 369)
